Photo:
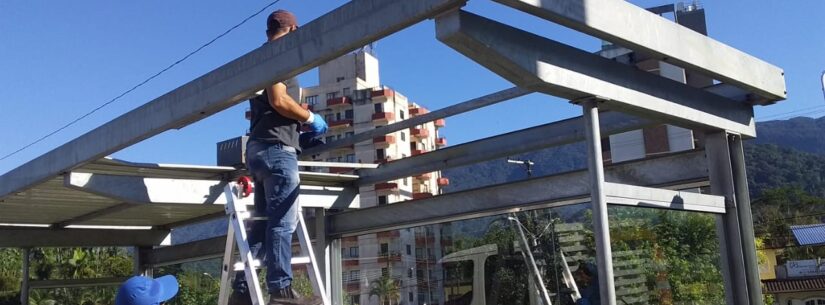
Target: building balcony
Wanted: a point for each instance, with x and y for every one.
(387, 186)
(383, 160)
(339, 170)
(439, 123)
(384, 140)
(416, 152)
(351, 262)
(443, 181)
(339, 101)
(425, 240)
(345, 123)
(391, 257)
(418, 111)
(422, 195)
(419, 132)
(354, 286)
(424, 176)
(388, 234)
(382, 93)
(441, 142)
(383, 117)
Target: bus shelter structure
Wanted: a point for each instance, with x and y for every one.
(75, 196)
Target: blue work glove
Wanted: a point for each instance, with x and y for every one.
(316, 124)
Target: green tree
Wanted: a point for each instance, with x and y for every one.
(386, 289)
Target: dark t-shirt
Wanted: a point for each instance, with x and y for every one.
(267, 125)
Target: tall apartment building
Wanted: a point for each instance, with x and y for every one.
(352, 100)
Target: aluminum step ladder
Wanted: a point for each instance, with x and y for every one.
(236, 202)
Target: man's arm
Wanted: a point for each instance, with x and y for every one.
(285, 105)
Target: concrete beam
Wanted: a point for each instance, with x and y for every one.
(459, 108)
(540, 64)
(624, 194)
(521, 141)
(567, 188)
(635, 28)
(144, 190)
(27, 237)
(346, 28)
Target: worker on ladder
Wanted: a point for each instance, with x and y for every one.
(272, 160)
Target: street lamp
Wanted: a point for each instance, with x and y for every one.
(527, 163)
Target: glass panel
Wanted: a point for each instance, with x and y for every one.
(665, 256)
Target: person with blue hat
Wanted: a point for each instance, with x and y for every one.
(141, 290)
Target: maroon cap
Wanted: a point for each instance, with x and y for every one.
(280, 19)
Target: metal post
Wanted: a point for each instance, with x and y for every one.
(139, 265)
(24, 284)
(335, 272)
(743, 210)
(601, 230)
(322, 248)
(720, 173)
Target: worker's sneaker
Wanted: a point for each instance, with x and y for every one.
(287, 296)
(238, 298)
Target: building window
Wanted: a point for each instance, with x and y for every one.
(409, 250)
(338, 116)
(349, 134)
(379, 108)
(419, 252)
(404, 181)
(346, 91)
(403, 136)
(349, 114)
(332, 95)
(353, 251)
(312, 100)
(351, 158)
(401, 114)
(419, 274)
(338, 79)
(355, 299)
(385, 249)
(379, 154)
(382, 200)
(385, 272)
(329, 118)
(355, 275)
(411, 296)
(330, 139)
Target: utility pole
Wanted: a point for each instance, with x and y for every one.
(823, 83)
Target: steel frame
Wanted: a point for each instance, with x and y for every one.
(532, 63)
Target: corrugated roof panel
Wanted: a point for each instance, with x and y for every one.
(807, 235)
(796, 285)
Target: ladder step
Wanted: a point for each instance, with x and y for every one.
(297, 260)
(239, 265)
(300, 260)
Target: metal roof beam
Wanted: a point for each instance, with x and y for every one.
(346, 28)
(636, 28)
(566, 188)
(27, 237)
(547, 66)
(521, 141)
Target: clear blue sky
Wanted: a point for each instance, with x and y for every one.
(60, 59)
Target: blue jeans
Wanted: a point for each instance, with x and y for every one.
(274, 169)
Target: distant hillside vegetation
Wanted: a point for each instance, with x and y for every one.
(801, 133)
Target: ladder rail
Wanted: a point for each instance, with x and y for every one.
(237, 236)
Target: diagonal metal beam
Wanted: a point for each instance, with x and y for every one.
(346, 28)
(633, 27)
(521, 141)
(547, 66)
(459, 108)
(567, 188)
(25, 237)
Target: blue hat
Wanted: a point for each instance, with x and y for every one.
(141, 290)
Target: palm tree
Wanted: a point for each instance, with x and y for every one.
(386, 289)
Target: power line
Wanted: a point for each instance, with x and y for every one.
(142, 82)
